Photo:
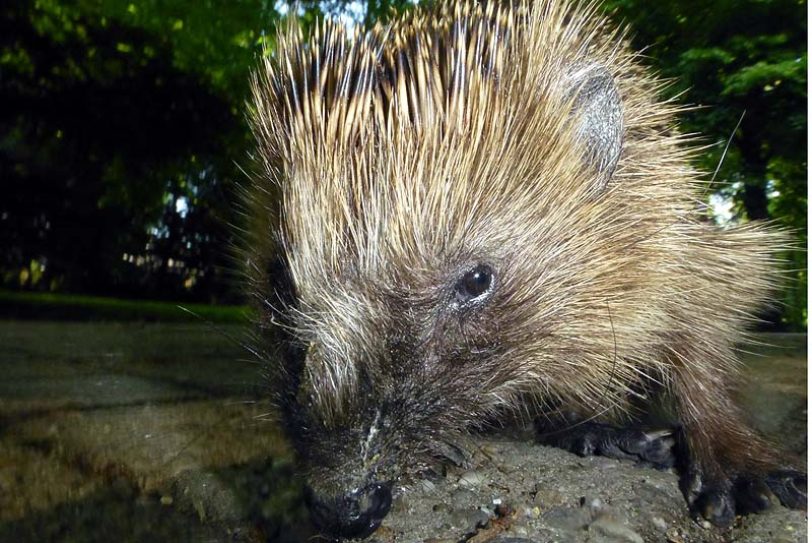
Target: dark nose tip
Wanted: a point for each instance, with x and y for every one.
(355, 514)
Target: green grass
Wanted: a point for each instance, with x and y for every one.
(35, 305)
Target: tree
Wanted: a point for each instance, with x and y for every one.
(113, 113)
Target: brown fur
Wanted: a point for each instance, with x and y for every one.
(406, 154)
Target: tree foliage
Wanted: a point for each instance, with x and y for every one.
(121, 125)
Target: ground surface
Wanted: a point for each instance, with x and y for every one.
(127, 432)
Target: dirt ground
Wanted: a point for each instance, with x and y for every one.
(158, 433)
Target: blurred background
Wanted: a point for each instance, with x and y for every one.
(123, 142)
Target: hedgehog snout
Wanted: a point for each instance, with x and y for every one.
(357, 513)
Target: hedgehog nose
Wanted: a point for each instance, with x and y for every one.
(355, 514)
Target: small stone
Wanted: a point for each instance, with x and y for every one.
(532, 512)
(480, 518)
(462, 498)
(426, 485)
(673, 536)
(469, 521)
(659, 523)
(595, 506)
(471, 479)
(610, 527)
(536, 512)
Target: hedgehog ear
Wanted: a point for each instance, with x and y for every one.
(598, 112)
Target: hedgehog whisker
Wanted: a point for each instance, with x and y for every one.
(724, 154)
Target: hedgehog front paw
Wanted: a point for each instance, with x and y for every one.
(720, 501)
(652, 447)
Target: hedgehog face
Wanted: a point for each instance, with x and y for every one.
(394, 371)
(440, 179)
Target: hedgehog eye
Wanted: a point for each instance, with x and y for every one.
(474, 284)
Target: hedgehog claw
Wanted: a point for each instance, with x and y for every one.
(650, 447)
(789, 487)
(752, 495)
(717, 506)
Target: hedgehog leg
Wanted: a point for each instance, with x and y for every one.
(651, 447)
(725, 468)
(718, 498)
(717, 494)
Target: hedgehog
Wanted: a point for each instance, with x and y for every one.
(484, 209)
